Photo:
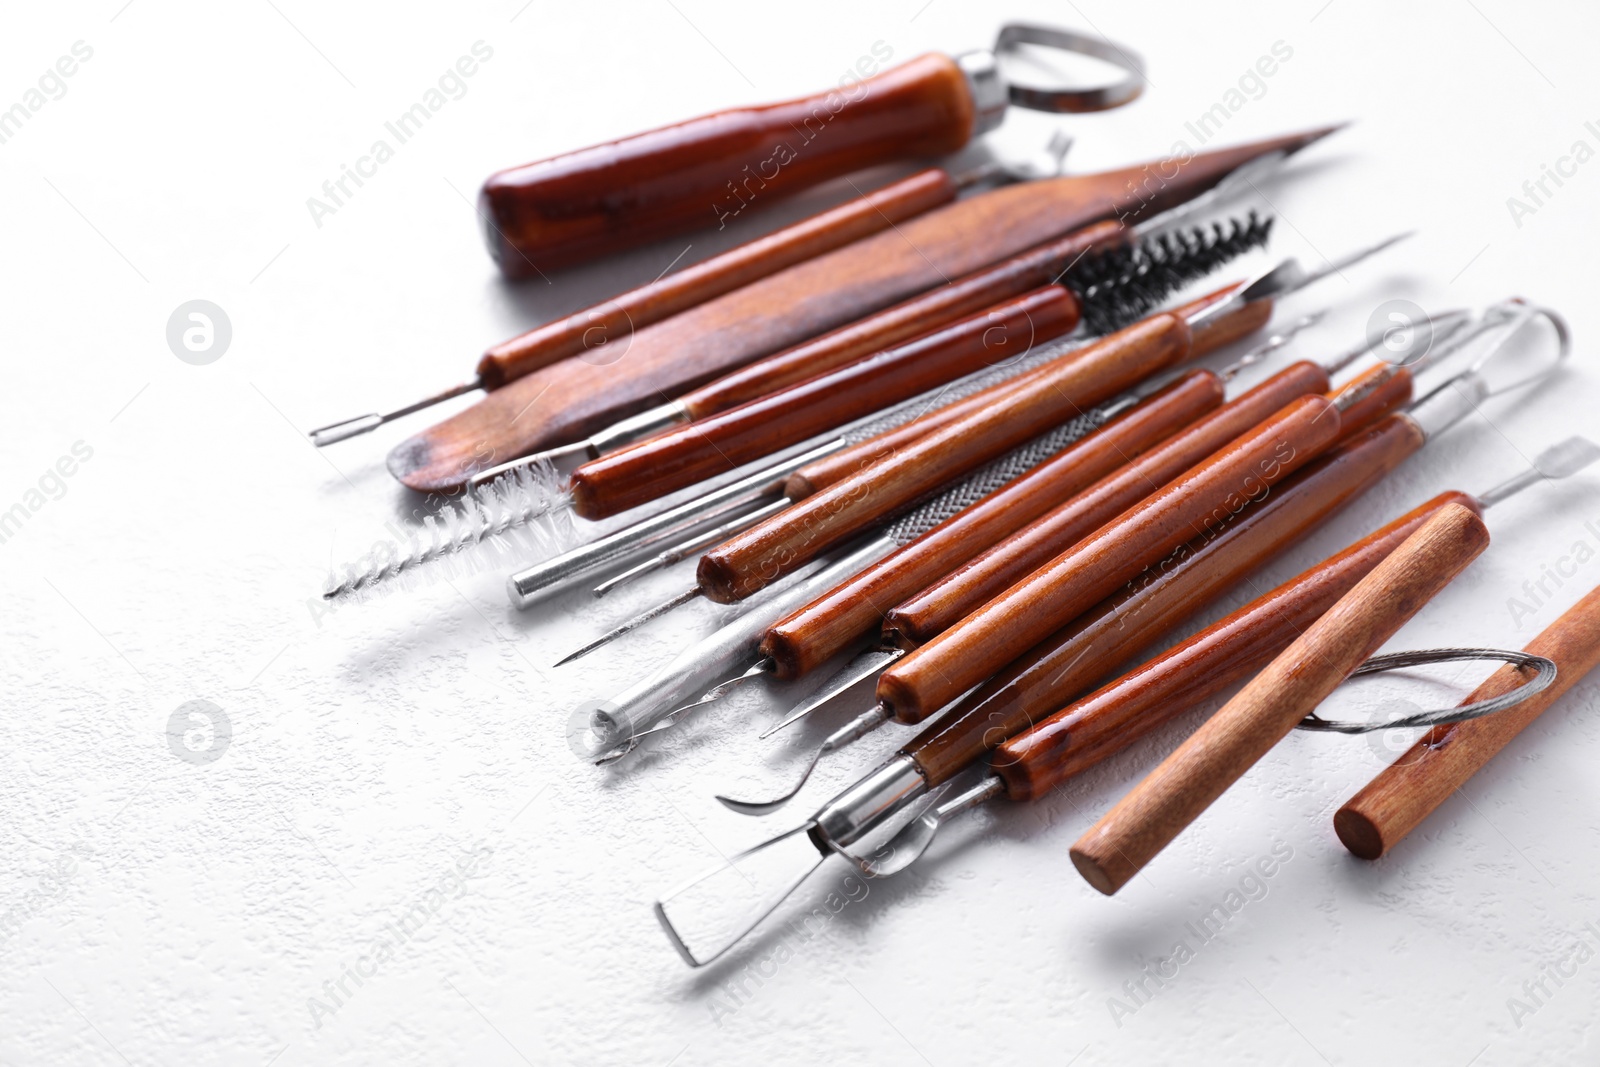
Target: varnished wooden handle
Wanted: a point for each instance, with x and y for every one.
(940, 605)
(1073, 383)
(724, 442)
(1397, 800)
(1200, 501)
(910, 318)
(834, 621)
(589, 331)
(831, 468)
(703, 173)
(569, 400)
(1061, 667)
(1289, 688)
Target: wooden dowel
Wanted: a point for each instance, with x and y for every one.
(1289, 688)
(1401, 796)
(1130, 708)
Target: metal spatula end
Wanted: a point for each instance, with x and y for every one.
(1566, 458)
(711, 913)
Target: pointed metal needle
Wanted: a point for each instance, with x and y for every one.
(631, 625)
(858, 678)
(855, 729)
(334, 432)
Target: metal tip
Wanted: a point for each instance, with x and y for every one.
(563, 460)
(340, 431)
(696, 912)
(1567, 458)
(907, 846)
(851, 731)
(631, 625)
(855, 682)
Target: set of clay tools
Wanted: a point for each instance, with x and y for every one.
(955, 434)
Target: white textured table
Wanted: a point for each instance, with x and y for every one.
(392, 792)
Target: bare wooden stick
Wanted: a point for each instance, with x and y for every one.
(1264, 711)
(1397, 800)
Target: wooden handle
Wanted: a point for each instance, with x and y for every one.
(1289, 688)
(910, 318)
(569, 400)
(613, 322)
(1074, 382)
(1397, 800)
(834, 621)
(937, 607)
(1064, 665)
(705, 172)
(724, 442)
(1199, 502)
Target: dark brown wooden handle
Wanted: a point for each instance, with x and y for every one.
(849, 612)
(907, 319)
(824, 472)
(1289, 688)
(703, 173)
(1397, 800)
(724, 442)
(1061, 667)
(612, 322)
(1073, 383)
(1155, 693)
(569, 400)
(942, 604)
(1200, 501)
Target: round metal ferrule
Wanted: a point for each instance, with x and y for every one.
(866, 805)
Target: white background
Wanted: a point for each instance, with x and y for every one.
(159, 910)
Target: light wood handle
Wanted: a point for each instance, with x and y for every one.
(569, 400)
(1264, 711)
(846, 614)
(1398, 799)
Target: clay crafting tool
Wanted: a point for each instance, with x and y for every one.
(1047, 395)
(865, 823)
(568, 400)
(716, 444)
(588, 203)
(1423, 421)
(1441, 761)
(1172, 796)
(604, 731)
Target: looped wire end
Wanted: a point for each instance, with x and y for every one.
(1544, 675)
